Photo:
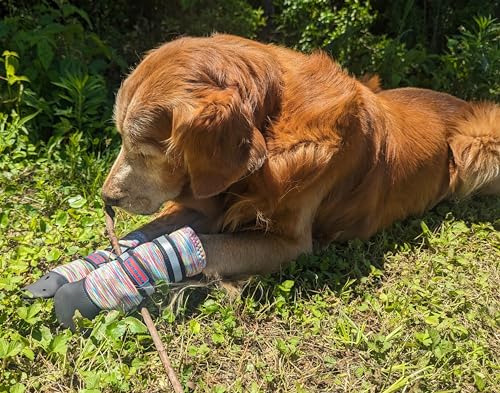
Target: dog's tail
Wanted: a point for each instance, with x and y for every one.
(475, 144)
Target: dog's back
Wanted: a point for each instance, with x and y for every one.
(433, 146)
(472, 132)
(381, 154)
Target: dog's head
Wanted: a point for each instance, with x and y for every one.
(191, 117)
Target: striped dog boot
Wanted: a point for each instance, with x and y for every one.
(125, 282)
(47, 285)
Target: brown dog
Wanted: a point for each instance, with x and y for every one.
(262, 149)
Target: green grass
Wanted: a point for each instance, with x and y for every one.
(416, 309)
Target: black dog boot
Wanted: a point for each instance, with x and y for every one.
(46, 286)
(71, 297)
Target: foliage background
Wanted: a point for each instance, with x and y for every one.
(415, 308)
(75, 54)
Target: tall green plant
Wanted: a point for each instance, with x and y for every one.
(81, 99)
(471, 65)
(12, 91)
(15, 144)
(14, 140)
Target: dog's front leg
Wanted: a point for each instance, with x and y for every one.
(175, 217)
(247, 253)
(124, 283)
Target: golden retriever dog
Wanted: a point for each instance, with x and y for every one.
(263, 150)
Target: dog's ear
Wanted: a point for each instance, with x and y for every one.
(220, 142)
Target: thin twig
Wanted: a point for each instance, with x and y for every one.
(172, 376)
(110, 229)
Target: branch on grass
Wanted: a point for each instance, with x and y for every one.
(172, 376)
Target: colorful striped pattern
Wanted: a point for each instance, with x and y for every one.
(80, 268)
(151, 255)
(138, 273)
(123, 284)
(111, 289)
(191, 250)
(75, 270)
(97, 258)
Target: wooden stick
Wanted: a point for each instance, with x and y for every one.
(172, 376)
(110, 229)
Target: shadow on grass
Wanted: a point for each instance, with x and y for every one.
(343, 264)
(354, 259)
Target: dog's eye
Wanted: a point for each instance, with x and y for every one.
(142, 148)
(148, 150)
(152, 150)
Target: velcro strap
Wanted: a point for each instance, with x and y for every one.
(136, 272)
(166, 246)
(97, 258)
(179, 257)
(166, 260)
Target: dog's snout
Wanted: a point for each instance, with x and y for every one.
(110, 200)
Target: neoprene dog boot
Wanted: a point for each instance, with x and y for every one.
(125, 282)
(47, 285)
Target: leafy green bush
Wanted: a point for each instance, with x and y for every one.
(312, 24)
(471, 65)
(79, 115)
(345, 32)
(403, 53)
(428, 23)
(55, 38)
(134, 27)
(64, 80)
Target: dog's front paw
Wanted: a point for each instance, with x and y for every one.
(71, 297)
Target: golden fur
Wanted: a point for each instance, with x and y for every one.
(262, 149)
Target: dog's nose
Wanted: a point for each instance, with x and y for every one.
(110, 200)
